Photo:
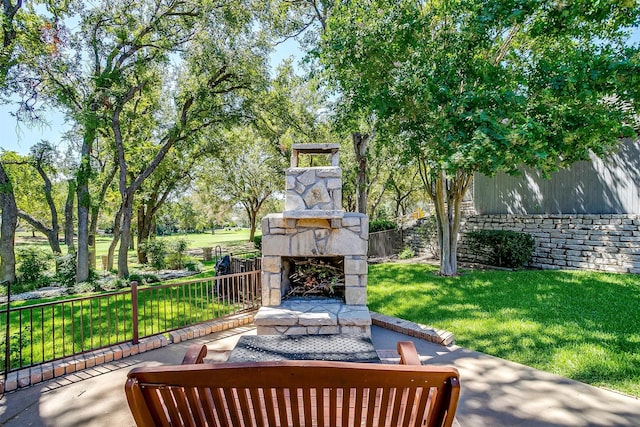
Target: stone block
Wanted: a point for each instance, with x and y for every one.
(313, 223)
(316, 195)
(334, 183)
(355, 265)
(356, 296)
(354, 317)
(328, 172)
(302, 244)
(329, 330)
(271, 264)
(355, 280)
(274, 316)
(356, 330)
(276, 245)
(11, 382)
(293, 202)
(317, 319)
(344, 242)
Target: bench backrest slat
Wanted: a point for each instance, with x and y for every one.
(296, 393)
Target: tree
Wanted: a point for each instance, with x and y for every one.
(7, 228)
(24, 35)
(221, 63)
(468, 86)
(249, 172)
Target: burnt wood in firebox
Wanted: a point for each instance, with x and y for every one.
(316, 277)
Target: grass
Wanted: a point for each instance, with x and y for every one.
(581, 325)
(228, 240)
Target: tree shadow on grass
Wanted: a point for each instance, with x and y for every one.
(577, 324)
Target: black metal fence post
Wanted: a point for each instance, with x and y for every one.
(134, 311)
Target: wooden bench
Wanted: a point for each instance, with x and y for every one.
(294, 393)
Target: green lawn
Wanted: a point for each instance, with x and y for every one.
(228, 240)
(581, 325)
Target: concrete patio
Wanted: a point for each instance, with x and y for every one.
(495, 392)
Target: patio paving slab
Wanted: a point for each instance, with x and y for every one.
(495, 392)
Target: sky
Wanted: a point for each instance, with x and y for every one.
(20, 137)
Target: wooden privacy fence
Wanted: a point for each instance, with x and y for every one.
(46, 332)
(385, 243)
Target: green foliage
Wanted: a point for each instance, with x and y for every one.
(113, 284)
(84, 287)
(406, 253)
(34, 263)
(382, 225)
(257, 241)
(143, 278)
(503, 248)
(156, 251)
(473, 86)
(192, 264)
(175, 260)
(66, 270)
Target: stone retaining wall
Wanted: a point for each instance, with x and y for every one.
(605, 242)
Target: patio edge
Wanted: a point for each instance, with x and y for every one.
(412, 329)
(35, 374)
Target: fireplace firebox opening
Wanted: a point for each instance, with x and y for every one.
(313, 277)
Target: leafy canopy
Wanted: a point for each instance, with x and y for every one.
(471, 85)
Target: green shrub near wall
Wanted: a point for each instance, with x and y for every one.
(502, 248)
(382, 225)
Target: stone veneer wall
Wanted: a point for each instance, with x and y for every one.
(315, 237)
(317, 188)
(605, 242)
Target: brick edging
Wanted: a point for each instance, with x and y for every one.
(413, 329)
(46, 371)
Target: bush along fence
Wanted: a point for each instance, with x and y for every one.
(42, 333)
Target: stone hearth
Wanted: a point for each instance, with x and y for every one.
(314, 225)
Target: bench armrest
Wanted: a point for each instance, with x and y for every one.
(408, 353)
(195, 354)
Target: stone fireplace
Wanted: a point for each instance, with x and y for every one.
(314, 233)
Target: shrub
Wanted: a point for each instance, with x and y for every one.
(84, 288)
(66, 270)
(257, 242)
(382, 225)
(192, 264)
(176, 257)
(156, 251)
(32, 269)
(503, 248)
(113, 284)
(406, 253)
(142, 278)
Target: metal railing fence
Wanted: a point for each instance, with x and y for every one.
(46, 332)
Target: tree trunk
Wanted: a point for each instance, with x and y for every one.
(143, 234)
(116, 238)
(125, 235)
(95, 212)
(7, 229)
(84, 202)
(360, 145)
(446, 195)
(52, 234)
(68, 217)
